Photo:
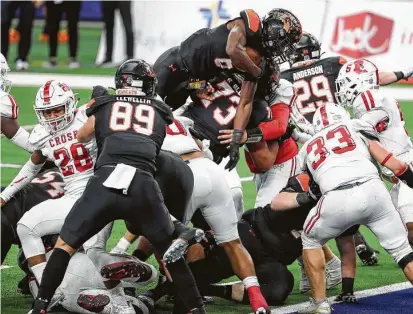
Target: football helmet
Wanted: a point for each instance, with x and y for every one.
(306, 49)
(329, 114)
(5, 84)
(137, 76)
(281, 30)
(355, 77)
(51, 95)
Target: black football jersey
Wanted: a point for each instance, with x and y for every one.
(129, 129)
(46, 185)
(204, 52)
(315, 83)
(218, 113)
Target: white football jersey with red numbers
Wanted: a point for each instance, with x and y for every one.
(338, 155)
(9, 108)
(75, 160)
(385, 115)
(178, 138)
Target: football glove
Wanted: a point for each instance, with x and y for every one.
(408, 72)
(99, 91)
(300, 121)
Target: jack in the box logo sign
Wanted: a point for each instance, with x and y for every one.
(361, 35)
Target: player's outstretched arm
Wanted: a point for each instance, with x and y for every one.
(386, 78)
(14, 132)
(24, 177)
(403, 171)
(87, 131)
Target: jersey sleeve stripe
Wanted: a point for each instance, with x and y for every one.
(253, 20)
(14, 108)
(324, 117)
(371, 99)
(365, 102)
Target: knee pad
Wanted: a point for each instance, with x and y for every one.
(405, 260)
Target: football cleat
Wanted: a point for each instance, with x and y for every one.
(322, 307)
(134, 269)
(178, 248)
(367, 255)
(93, 303)
(346, 298)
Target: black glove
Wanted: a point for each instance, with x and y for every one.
(346, 298)
(233, 156)
(99, 91)
(407, 176)
(287, 134)
(217, 159)
(314, 189)
(251, 78)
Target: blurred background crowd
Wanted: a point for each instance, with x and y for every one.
(40, 31)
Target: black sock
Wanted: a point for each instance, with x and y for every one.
(348, 285)
(53, 274)
(140, 254)
(184, 283)
(224, 291)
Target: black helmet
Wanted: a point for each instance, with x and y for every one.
(306, 49)
(280, 31)
(136, 74)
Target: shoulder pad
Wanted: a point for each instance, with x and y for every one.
(285, 94)
(298, 183)
(9, 107)
(252, 22)
(365, 129)
(38, 136)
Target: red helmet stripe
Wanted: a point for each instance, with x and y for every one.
(46, 92)
(324, 116)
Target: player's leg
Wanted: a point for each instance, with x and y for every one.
(7, 237)
(217, 206)
(43, 219)
(234, 182)
(89, 215)
(402, 197)
(386, 224)
(151, 217)
(270, 183)
(364, 251)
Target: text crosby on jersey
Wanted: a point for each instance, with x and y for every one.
(311, 71)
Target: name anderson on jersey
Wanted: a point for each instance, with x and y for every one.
(311, 71)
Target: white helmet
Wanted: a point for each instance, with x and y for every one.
(52, 95)
(355, 77)
(5, 84)
(329, 114)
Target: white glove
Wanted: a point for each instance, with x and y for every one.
(408, 72)
(300, 121)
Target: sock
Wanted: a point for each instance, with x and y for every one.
(141, 255)
(348, 285)
(185, 285)
(250, 281)
(38, 270)
(122, 246)
(53, 274)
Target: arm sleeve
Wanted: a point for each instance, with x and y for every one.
(21, 138)
(24, 177)
(276, 128)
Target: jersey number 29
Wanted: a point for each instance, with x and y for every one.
(317, 88)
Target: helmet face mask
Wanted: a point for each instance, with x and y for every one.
(5, 84)
(58, 95)
(281, 30)
(136, 77)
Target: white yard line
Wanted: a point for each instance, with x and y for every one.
(359, 294)
(5, 267)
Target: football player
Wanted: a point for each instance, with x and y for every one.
(358, 88)
(338, 157)
(130, 128)
(46, 185)
(53, 138)
(10, 110)
(207, 52)
(314, 77)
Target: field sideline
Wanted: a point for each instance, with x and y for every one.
(368, 277)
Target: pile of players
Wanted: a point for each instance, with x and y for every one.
(126, 156)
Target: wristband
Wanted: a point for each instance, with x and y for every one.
(254, 135)
(237, 136)
(399, 75)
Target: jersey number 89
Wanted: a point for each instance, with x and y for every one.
(140, 118)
